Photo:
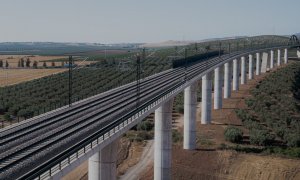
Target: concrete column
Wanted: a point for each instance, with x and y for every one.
(227, 80)
(102, 165)
(278, 57)
(257, 64)
(218, 89)
(206, 99)
(243, 70)
(298, 53)
(264, 62)
(190, 111)
(285, 56)
(250, 66)
(163, 141)
(272, 60)
(236, 74)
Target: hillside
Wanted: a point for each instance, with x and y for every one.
(216, 158)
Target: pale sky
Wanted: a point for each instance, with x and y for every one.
(116, 21)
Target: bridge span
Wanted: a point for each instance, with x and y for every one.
(49, 146)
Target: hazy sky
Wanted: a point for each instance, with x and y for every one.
(112, 21)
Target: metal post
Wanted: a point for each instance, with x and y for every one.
(138, 76)
(220, 46)
(70, 80)
(185, 65)
(143, 61)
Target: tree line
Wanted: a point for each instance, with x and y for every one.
(3, 64)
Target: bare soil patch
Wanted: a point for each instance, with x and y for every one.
(15, 76)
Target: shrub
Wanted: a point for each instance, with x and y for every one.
(249, 102)
(233, 134)
(7, 117)
(2, 109)
(144, 135)
(176, 136)
(290, 152)
(145, 126)
(139, 136)
(179, 109)
(260, 137)
(293, 140)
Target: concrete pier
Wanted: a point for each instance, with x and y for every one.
(227, 80)
(206, 105)
(278, 57)
(285, 56)
(102, 165)
(243, 71)
(236, 75)
(190, 111)
(163, 141)
(272, 59)
(257, 63)
(218, 88)
(264, 62)
(250, 66)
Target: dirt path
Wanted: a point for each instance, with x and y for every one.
(134, 172)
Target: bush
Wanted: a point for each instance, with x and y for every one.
(2, 109)
(260, 137)
(145, 126)
(7, 117)
(249, 102)
(233, 134)
(179, 109)
(139, 136)
(176, 136)
(293, 140)
(244, 115)
(290, 152)
(145, 135)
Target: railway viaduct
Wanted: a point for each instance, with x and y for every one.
(89, 130)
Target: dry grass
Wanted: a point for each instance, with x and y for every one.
(15, 76)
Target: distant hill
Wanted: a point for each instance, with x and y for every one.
(54, 48)
(166, 44)
(171, 43)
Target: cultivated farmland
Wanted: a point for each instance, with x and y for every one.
(15, 76)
